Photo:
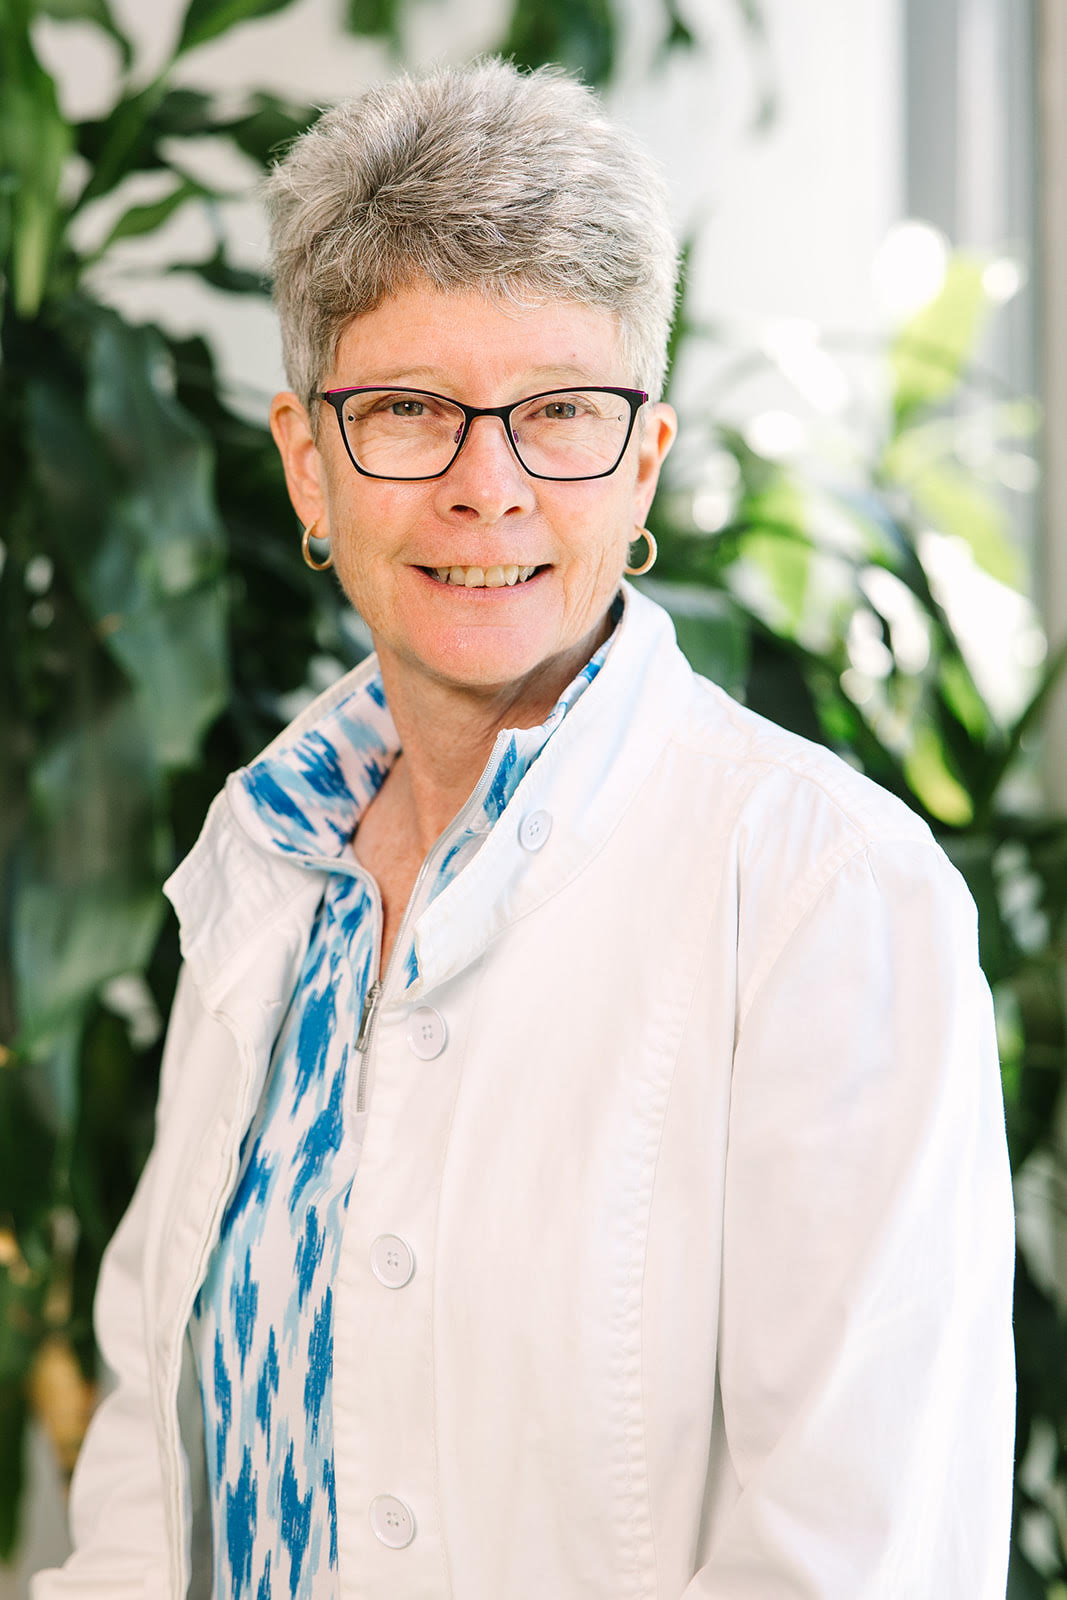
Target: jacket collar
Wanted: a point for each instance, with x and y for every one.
(584, 781)
(235, 893)
(305, 796)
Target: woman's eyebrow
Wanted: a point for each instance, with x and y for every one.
(430, 375)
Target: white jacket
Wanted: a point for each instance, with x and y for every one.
(708, 1193)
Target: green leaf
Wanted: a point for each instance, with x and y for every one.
(158, 570)
(268, 127)
(124, 141)
(131, 137)
(936, 786)
(374, 19)
(1000, 764)
(679, 35)
(778, 687)
(97, 11)
(787, 563)
(206, 19)
(27, 1151)
(951, 501)
(175, 653)
(12, 1454)
(68, 948)
(87, 899)
(127, 139)
(20, 1322)
(776, 543)
(34, 143)
(963, 699)
(754, 19)
(753, 16)
(149, 437)
(114, 1125)
(125, 480)
(218, 272)
(73, 481)
(710, 630)
(579, 34)
(1010, 1038)
(923, 459)
(973, 853)
(931, 350)
(1025, 1582)
(145, 218)
(27, 1154)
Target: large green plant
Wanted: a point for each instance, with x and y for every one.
(812, 582)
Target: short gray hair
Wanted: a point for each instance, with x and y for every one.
(476, 177)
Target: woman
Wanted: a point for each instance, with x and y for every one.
(580, 1165)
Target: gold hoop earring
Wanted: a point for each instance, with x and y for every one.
(305, 549)
(650, 559)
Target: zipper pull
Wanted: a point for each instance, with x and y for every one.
(370, 1005)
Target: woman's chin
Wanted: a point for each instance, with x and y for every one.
(479, 664)
(478, 638)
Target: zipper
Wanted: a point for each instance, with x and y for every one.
(374, 994)
(370, 1005)
(372, 1000)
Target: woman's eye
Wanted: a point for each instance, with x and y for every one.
(561, 410)
(407, 408)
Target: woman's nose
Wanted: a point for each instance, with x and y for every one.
(486, 477)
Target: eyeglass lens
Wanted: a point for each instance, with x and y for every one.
(576, 433)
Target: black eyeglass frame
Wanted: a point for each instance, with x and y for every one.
(635, 399)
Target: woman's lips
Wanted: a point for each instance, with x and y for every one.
(495, 577)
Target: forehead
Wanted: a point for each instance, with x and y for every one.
(478, 348)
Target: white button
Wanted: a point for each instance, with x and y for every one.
(427, 1034)
(391, 1520)
(534, 830)
(391, 1261)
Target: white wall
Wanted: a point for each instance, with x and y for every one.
(792, 217)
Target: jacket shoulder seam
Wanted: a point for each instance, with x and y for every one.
(907, 825)
(811, 904)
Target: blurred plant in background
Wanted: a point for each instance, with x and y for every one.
(835, 549)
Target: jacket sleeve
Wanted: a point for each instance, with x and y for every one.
(116, 1504)
(866, 1370)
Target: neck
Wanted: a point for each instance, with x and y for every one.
(447, 731)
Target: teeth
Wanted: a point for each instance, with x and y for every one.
(483, 577)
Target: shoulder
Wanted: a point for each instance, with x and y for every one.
(767, 772)
(775, 815)
(735, 760)
(792, 827)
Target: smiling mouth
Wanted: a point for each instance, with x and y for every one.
(482, 577)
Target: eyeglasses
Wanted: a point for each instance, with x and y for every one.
(409, 435)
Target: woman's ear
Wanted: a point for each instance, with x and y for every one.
(657, 436)
(304, 475)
